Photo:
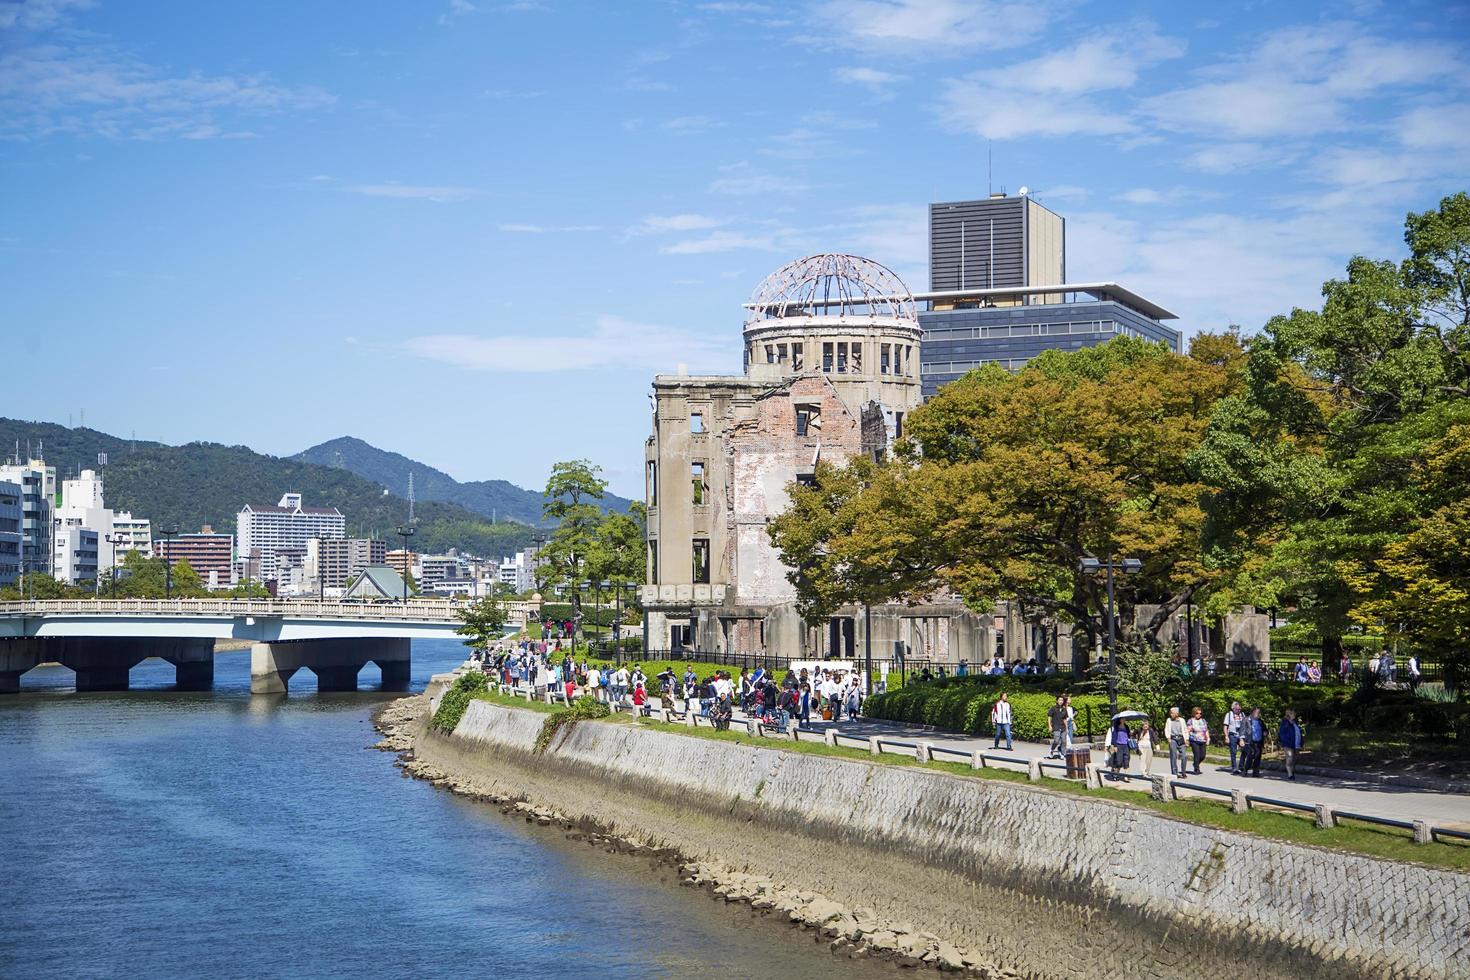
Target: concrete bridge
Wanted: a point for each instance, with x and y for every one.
(101, 640)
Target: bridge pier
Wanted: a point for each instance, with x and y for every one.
(335, 662)
(17, 657)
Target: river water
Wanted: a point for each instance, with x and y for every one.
(157, 833)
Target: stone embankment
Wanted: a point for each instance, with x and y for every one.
(1002, 879)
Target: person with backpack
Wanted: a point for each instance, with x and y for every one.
(1000, 720)
(1256, 744)
(1291, 736)
(1056, 716)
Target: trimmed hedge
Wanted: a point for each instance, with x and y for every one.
(560, 612)
(962, 704)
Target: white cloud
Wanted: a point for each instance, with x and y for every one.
(1440, 127)
(613, 343)
(726, 241)
(545, 229)
(916, 28)
(1298, 82)
(1049, 95)
(741, 180)
(85, 88)
(692, 124)
(658, 224)
(878, 82)
(34, 15)
(1142, 195)
(415, 192)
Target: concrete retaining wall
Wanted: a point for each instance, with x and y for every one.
(1046, 884)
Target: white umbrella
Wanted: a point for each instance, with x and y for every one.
(1129, 715)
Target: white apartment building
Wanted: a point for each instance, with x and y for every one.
(37, 483)
(10, 535)
(131, 533)
(263, 532)
(330, 562)
(82, 506)
(74, 556)
(519, 570)
(433, 570)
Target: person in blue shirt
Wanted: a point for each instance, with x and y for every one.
(1290, 736)
(1256, 730)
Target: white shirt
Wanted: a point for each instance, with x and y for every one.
(1001, 713)
(829, 688)
(621, 677)
(723, 687)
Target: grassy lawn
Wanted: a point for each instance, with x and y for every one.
(505, 700)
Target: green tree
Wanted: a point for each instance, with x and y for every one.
(481, 622)
(1005, 482)
(570, 492)
(619, 552)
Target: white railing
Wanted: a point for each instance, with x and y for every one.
(416, 610)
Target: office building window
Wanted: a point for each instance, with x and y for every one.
(827, 358)
(701, 561)
(883, 353)
(796, 359)
(696, 480)
(770, 353)
(857, 357)
(908, 359)
(842, 357)
(808, 419)
(652, 482)
(696, 421)
(780, 353)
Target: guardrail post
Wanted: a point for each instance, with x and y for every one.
(664, 715)
(752, 727)
(830, 736)
(1238, 801)
(1033, 770)
(793, 728)
(1159, 787)
(875, 747)
(1422, 833)
(924, 752)
(977, 759)
(1325, 817)
(689, 717)
(1094, 776)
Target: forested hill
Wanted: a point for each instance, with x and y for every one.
(206, 483)
(488, 498)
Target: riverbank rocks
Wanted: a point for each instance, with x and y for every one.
(853, 933)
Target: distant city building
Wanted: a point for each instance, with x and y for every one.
(82, 506)
(131, 533)
(331, 562)
(37, 483)
(434, 570)
(270, 537)
(1006, 304)
(74, 558)
(10, 533)
(519, 570)
(401, 561)
(995, 243)
(209, 553)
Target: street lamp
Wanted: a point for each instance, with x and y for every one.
(168, 566)
(1127, 566)
(405, 533)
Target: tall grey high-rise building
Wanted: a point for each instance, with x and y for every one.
(994, 243)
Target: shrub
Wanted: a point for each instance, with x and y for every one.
(583, 709)
(457, 699)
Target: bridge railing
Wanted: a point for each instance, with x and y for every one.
(418, 610)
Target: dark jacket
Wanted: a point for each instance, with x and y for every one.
(1289, 735)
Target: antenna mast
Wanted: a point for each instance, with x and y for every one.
(410, 496)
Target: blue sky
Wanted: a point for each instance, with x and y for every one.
(470, 231)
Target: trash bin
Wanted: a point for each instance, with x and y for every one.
(1078, 759)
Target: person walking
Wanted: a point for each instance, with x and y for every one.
(1234, 729)
(1056, 716)
(1175, 733)
(1256, 744)
(1412, 667)
(1071, 720)
(1000, 720)
(1199, 737)
(1290, 736)
(1120, 739)
(1146, 748)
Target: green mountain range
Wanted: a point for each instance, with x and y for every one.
(207, 483)
(496, 499)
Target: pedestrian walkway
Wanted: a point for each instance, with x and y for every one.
(1356, 796)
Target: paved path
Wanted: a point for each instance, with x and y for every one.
(1439, 808)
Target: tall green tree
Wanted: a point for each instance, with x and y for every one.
(619, 551)
(571, 492)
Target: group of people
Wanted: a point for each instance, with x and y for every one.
(541, 667)
(1188, 738)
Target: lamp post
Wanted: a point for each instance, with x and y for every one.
(405, 533)
(168, 566)
(1127, 566)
